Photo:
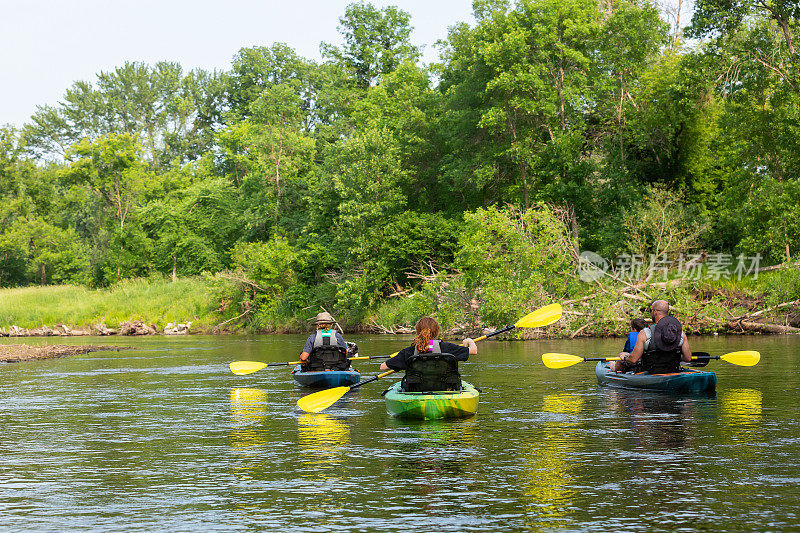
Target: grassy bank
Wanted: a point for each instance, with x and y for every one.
(153, 301)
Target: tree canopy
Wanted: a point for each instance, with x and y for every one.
(343, 182)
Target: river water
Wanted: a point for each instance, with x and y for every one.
(164, 437)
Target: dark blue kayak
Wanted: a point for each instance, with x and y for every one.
(686, 381)
(325, 379)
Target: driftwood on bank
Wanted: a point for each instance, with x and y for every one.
(132, 327)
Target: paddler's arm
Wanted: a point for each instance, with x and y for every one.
(686, 352)
(398, 362)
(309, 345)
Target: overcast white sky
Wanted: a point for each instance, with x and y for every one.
(46, 45)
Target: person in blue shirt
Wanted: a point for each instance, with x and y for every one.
(637, 325)
(325, 349)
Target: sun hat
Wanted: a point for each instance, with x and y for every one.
(324, 318)
(668, 333)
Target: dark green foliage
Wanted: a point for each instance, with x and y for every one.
(463, 189)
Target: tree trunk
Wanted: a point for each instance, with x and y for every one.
(43, 275)
(524, 173)
(174, 268)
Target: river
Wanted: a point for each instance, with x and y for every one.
(164, 437)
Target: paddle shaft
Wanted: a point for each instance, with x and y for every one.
(694, 357)
(383, 375)
(357, 358)
(498, 332)
(370, 380)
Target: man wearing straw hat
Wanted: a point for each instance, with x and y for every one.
(325, 349)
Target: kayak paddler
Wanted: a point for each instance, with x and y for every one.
(637, 325)
(431, 364)
(325, 349)
(659, 348)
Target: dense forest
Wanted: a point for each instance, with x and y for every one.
(381, 188)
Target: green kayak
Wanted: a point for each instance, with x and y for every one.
(432, 405)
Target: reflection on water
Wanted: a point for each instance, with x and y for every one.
(322, 438)
(173, 441)
(248, 407)
(548, 467)
(740, 406)
(659, 420)
(431, 453)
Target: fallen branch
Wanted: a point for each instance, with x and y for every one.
(243, 281)
(767, 310)
(577, 331)
(218, 326)
(778, 267)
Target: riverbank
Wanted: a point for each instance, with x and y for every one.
(15, 353)
(766, 304)
(72, 310)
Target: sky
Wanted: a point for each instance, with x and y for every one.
(47, 45)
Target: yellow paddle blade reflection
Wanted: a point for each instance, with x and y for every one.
(743, 358)
(322, 432)
(246, 367)
(248, 404)
(314, 403)
(541, 317)
(560, 360)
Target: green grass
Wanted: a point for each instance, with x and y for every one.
(154, 301)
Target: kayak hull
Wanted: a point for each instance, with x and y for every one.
(432, 405)
(326, 378)
(686, 381)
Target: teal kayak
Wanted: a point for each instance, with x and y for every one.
(686, 381)
(325, 379)
(432, 405)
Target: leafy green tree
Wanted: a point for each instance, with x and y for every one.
(772, 220)
(518, 86)
(724, 17)
(513, 260)
(257, 69)
(273, 157)
(111, 167)
(156, 105)
(33, 251)
(376, 42)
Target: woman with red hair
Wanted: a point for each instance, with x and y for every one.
(425, 358)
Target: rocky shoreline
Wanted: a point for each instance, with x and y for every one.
(130, 328)
(15, 353)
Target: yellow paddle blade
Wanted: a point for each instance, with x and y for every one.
(314, 403)
(543, 316)
(560, 360)
(744, 358)
(246, 367)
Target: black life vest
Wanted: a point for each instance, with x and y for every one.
(326, 353)
(658, 361)
(431, 371)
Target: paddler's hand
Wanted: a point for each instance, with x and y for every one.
(469, 343)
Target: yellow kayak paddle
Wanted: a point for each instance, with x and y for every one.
(563, 360)
(248, 367)
(316, 402)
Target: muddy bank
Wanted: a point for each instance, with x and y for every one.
(14, 353)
